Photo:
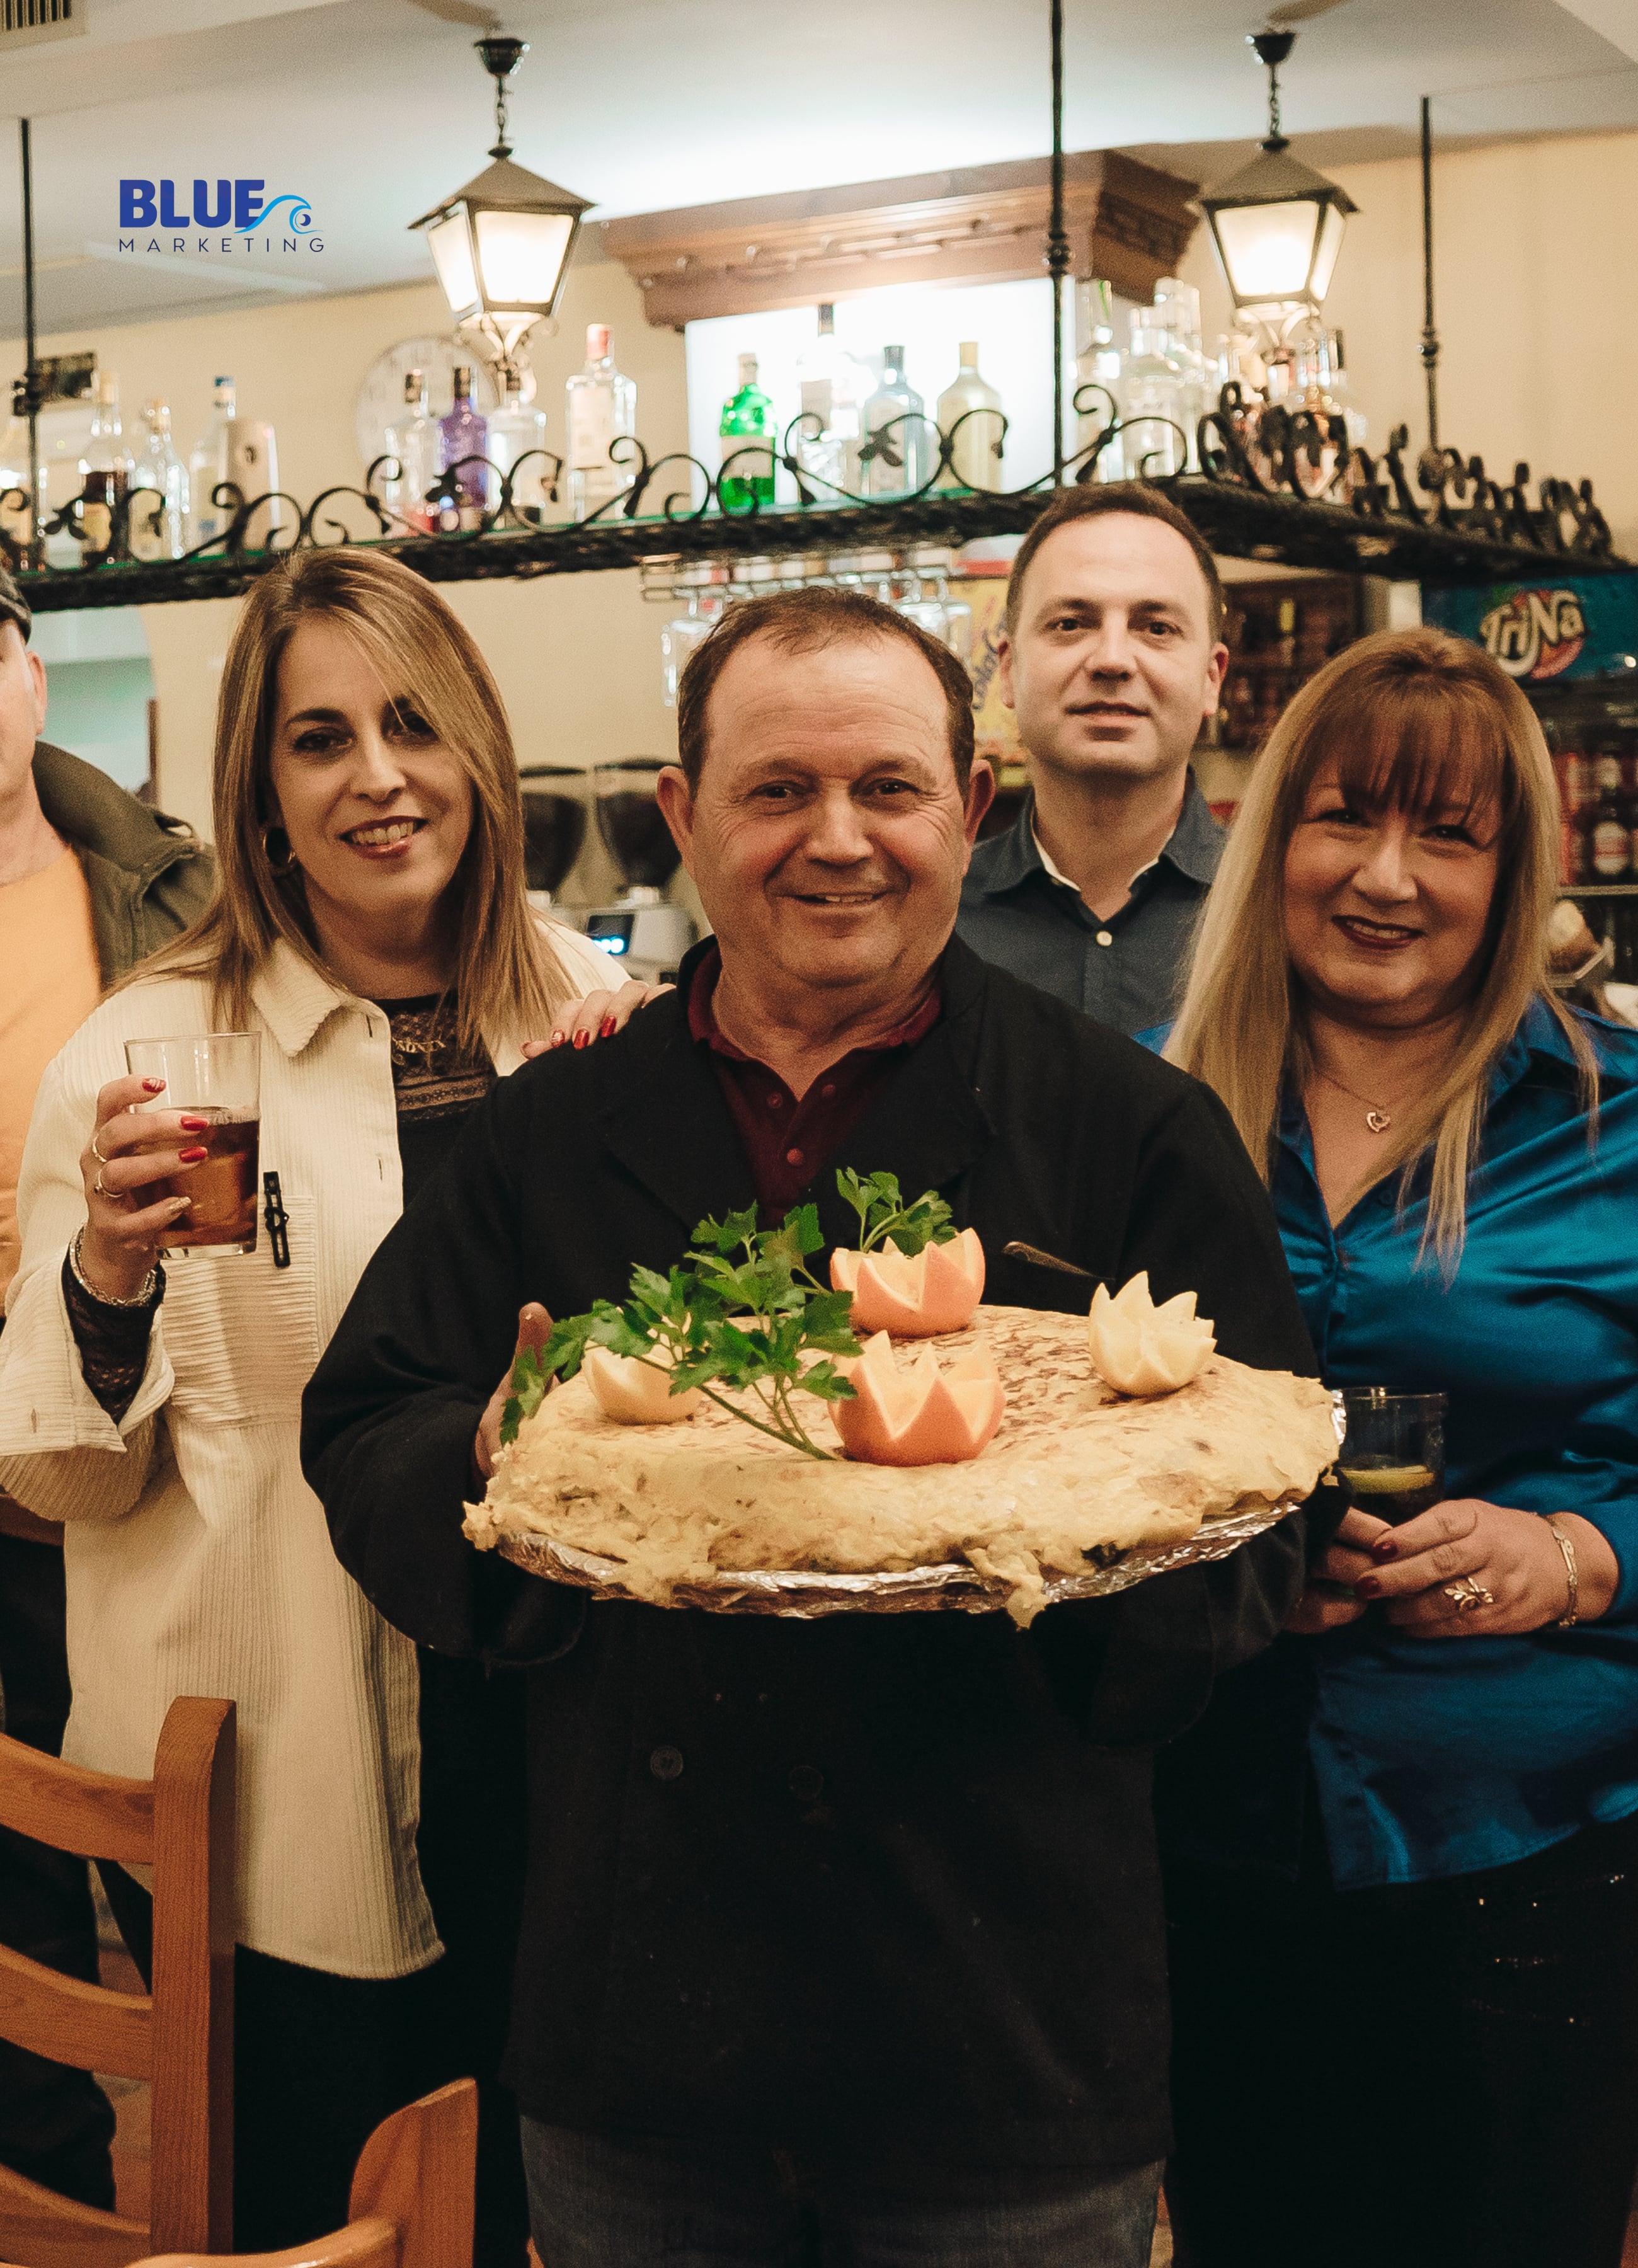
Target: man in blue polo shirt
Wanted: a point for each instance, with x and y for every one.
(1113, 654)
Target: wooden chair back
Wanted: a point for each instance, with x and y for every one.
(412, 2197)
(180, 2037)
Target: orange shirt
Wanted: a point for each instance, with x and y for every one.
(49, 983)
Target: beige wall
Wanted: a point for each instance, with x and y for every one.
(577, 656)
(1536, 307)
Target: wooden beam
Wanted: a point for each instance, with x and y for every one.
(977, 224)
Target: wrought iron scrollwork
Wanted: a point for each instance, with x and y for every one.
(1304, 483)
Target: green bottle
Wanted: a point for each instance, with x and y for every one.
(747, 419)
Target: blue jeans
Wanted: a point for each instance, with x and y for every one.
(610, 2201)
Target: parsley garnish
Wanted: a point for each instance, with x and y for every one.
(880, 1214)
(741, 1312)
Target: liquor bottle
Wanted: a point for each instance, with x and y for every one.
(462, 435)
(746, 420)
(834, 388)
(1153, 438)
(208, 470)
(602, 411)
(158, 521)
(1101, 362)
(976, 459)
(897, 403)
(517, 437)
(14, 490)
(679, 637)
(412, 442)
(105, 473)
(1179, 306)
(1612, 829)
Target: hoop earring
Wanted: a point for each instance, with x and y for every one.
(277, 851)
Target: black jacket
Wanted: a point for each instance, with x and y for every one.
(886, 1879)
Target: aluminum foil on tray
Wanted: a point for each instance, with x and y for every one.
(804, 1595)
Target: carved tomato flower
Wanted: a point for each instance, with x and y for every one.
(920, 1415)
(938, 1290)
(1141, 1348)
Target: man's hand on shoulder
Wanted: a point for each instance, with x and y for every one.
(534, 1330)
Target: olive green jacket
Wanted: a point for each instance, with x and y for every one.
(149, 876)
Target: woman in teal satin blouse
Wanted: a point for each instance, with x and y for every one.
(1442, 1996)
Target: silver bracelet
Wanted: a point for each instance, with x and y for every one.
(152, 1282)
(1562, 1537)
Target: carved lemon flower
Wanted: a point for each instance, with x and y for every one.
(1141, 1348)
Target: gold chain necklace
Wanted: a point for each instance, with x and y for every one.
(1378, 1120)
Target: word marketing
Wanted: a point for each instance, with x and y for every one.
(239, 206)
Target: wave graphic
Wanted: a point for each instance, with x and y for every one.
(288, 198)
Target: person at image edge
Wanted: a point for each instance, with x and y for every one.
(90, 880)
(854, 1927)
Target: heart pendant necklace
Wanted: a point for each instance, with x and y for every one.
(1378, 1120)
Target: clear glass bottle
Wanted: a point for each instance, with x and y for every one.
(683, 635)
(897, 403)
(208, 466)
(976, 459)
(412, 442)
(105, 473)
(602, 411)
(747, 419)
(158, 523)
(14, 490)
(517, 432)
(1178, 303)
(1101, 362)
(1153, 437)
(833, 390)
(463, 435)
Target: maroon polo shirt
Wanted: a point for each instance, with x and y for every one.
(788, 1142)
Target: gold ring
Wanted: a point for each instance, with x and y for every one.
(96, 1189)
(96, 1152)
(1467, 1595)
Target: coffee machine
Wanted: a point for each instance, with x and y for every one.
(642, 934)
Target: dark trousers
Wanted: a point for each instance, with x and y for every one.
(472, 1846)
(319, 2061)
(55, 2123)
(1442, 2075)
(627, 2201)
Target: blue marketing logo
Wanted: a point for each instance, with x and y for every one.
(254, 220)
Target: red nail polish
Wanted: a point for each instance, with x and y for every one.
(1386, 1547)
(191, 1157)
(580, 1039)
(606, 1029)
(153, 1086)
(194, 1125)
(1367, 1588)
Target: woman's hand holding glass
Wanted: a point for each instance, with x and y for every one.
(1463, 1569)
(129, 1150)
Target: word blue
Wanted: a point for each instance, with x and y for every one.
(141, 208)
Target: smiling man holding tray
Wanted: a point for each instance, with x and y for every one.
(849, 1926)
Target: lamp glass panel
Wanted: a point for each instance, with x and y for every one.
(451, 241)
(1268, 250)
(521, 256)
(1331, 230)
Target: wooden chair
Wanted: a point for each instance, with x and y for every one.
(180, 2037)
(412, 2197)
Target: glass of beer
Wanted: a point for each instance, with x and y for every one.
(1393, 1452)
(216, 1076)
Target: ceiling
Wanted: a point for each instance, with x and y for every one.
(374, 109)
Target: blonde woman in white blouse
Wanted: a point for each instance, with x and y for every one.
(370, 925)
